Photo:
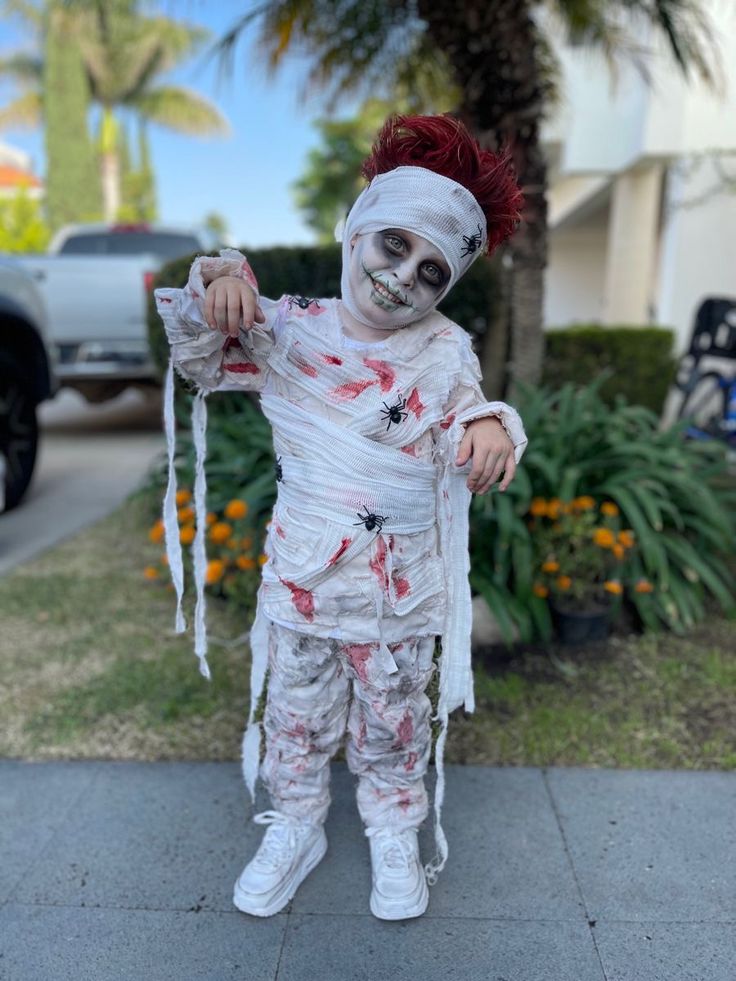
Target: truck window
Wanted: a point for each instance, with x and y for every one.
(165, 245)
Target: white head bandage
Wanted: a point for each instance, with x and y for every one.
(416, 199)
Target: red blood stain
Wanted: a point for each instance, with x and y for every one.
(401, 586)
(248, 276)
(331, 358)
(304, 366)
(409, 450)
(414, 403)
(358, 654)
(362, 733)
(243, 368)
(410, 761)
(386, 374)
(165, 299)
(350, 390)
(279, 530)
(396, 647)
(378, 563)
(446, 423)
(404, 803)
(343, 545)
(195, 293)
(302, 599)
(231, 342)
(406, 728)
(445, 333)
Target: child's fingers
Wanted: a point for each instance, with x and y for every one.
(510, 468)
(260, 316)
(235, 312)
(209, 309)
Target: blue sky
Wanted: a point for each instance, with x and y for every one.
(245, 176)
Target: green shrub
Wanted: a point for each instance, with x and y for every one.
(675, 495)
(641, 361)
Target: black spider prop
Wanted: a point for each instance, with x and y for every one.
(395, 413)
(472, 242)
(303, 302)
(277, 468)
(370, 520)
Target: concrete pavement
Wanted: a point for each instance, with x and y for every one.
(90, 459)
(125, 870)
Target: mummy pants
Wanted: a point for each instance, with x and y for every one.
(388, 737)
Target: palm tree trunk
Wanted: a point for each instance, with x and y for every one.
(110, 165)
(503, 99)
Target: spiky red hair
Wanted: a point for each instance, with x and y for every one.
(444, 145)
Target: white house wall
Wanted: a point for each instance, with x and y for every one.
(575, 276)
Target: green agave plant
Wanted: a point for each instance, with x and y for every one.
(676, 495)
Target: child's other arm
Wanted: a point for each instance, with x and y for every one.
(220, 298)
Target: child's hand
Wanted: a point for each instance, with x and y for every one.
(492, 451)
(231, 303)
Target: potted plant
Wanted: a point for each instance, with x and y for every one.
(581, 561)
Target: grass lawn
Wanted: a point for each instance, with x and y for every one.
(93, 669)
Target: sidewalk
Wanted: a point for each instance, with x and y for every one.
(125, 871)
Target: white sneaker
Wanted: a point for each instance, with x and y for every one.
(289, 851)
(399, 882)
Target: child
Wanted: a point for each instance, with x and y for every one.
(378, 420)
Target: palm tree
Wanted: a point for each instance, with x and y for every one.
(502, 62)
(123, 52)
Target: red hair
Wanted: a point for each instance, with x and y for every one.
(445, 145)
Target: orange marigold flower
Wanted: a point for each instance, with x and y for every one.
(183, 497)
(215, 571)
(608, 507)
(232, 543)
(603, 537)
(220, 532)
(539, 590)
(550, 566)
(584, 503)
(618, 550)
(626, 538)
(156, 534)
(538, 507)
(150, 572)
(164, 559)
(262, 559)
(563, 582)
(612, 586)
(245, 562)
(211, 518)
(554, 506)
(185, 515)
(236, 509)
(246, 543)
(186, 535)
(644, 586)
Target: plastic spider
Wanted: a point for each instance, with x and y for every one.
(303, 302)
(395, 413)
(370, 520)
(472, 242)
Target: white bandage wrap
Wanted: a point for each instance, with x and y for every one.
(435, 207)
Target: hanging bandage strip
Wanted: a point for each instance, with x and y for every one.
(171, 524)
(199, 430)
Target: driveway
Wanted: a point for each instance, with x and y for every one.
(90, 458)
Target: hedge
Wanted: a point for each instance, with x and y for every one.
(641, 360)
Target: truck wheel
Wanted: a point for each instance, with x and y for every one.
(18, 433)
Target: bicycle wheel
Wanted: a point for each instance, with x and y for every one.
(705, 405)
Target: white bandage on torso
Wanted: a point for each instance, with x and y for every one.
(435, 207)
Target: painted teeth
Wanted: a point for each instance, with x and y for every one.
(380, 288)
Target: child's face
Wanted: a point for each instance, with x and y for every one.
(396, 276)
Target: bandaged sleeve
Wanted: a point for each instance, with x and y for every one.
(214, 361)
(467, 403)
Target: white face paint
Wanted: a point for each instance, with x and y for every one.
(396, 277)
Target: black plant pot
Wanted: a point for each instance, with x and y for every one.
(581, 626)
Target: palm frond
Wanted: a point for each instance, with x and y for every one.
(181, 110)
(25, 69)
(25, 111)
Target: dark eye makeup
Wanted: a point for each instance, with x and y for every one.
(396, 244)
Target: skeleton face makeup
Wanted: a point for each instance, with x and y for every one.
(395, 276)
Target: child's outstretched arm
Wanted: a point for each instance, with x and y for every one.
(485, 439)
(220, 298)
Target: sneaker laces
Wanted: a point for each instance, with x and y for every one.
(279, 839)
(397, 851)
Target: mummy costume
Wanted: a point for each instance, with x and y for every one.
(368, 545)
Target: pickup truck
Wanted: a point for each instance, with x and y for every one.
(26, 378)
(95, 282)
